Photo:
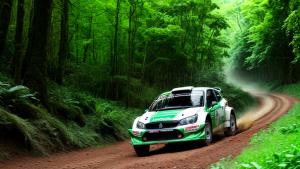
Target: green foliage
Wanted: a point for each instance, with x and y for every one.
(105, 121)
(268, 43)
(291, 89)
(31, 134)
(77, 119)
(292, 26)
(224, 163)
(286, 159)
(276, 147)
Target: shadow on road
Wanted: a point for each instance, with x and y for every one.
(184, 146)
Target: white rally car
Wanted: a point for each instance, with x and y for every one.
(183, 114)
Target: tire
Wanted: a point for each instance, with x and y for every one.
(142, 150)
(231, 131)
(208, 133)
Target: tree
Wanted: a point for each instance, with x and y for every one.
(269, 52)
(115, 52)
(35, 65)
(17, 59)
(64, 41)
(116, 39)
(5, 12)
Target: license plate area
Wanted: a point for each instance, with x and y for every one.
(161, 131)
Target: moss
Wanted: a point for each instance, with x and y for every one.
(31, 134)
(69, 112)
(4, 156)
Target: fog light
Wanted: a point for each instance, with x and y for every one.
(144, 138)
(179, 135)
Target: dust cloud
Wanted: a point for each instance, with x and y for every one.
(266, 104)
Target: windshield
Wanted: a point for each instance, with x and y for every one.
(177, 101)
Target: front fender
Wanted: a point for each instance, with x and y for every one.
(202, 117)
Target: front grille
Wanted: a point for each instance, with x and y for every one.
(160, 125)
(165, 135)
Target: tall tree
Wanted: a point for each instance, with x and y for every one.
(36, 55)
(115, 51)
(5, 12)
(116, 39)
(89, 36)
(17, 59)
(64, 43)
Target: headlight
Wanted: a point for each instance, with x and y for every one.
(189, 120)
(140, 125)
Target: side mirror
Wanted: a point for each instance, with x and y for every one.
(146, 110)
(214, 103)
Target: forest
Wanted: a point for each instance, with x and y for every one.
(74, 73)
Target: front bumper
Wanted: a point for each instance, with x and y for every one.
(169, 135)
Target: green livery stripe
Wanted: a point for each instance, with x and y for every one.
(165, 115)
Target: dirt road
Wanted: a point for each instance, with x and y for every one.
(121, 155)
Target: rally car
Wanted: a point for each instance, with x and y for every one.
(183, 114)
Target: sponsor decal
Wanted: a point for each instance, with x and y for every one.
(160, 131)
(191, 128)
(162, 119)
(136, 133)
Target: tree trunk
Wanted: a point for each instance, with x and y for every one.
(129, 64)
(64, 46)
(94, 47)
(36, 55)
(77, 39)
(5, 12)
(17, 59)
(115, 46)
(114, 56)
(87, 46)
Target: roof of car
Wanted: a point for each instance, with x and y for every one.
(190, 88)
(186, 89)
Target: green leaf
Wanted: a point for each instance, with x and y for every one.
(282, 165)
(256, 165)
(17, 88)
(246, 165)
(289, 155)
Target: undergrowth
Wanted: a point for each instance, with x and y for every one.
(276, 147)
(76, 119)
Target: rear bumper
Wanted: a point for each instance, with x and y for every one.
(173, 135)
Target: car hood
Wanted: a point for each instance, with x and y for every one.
(169, 115)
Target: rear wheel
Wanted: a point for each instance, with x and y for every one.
(232, 129)
(142, 150)
(208, 133)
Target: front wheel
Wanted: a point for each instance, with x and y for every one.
(232, 129)
(208, 133)
(142, 150)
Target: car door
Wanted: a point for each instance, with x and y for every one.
(220, 111)
(213, 109)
